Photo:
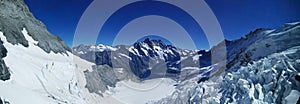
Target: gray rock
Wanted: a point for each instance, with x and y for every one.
(100, 78)
(104, 76)
(15, 15)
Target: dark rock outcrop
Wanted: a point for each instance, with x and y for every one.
(4, 72)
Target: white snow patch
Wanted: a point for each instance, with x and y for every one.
(284, 32)
(145, 51)
(121, 54)
(293, 97)
(196, 57)
(101, 47)
(29, 38)
(130, 92)
(134, 51)
(193, 68)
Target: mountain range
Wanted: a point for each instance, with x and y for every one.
(37, 67)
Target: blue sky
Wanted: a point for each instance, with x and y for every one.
(236, 17)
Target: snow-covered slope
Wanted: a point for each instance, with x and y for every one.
(250, 60)
(37, 67)
(262, 67)
(43, 78)
(268, 80)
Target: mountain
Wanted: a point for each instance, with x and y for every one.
(14, 16)
(262, 67)
(263, 61)
(36, 67)
(143, 58)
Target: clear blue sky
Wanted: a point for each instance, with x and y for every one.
(236, 17)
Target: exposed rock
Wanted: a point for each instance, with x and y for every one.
(15, 15)
(4, 72)
(100, 78)
(104, 76)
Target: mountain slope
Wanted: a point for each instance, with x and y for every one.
(40, 77)
(248, 60)
(36, 66)
(268, 80)
(15, 15)
(262, 68)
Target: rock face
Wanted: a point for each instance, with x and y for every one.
(100, 78)
(4, 72)
(15, 15)
(103, 76)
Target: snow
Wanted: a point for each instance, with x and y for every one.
(259, 78)
(101, 48)
(169, 51)
(44, 78)
(268, 31)
(28, 38)
(293, 97)
(134, 51)
(145, 51)
(196, 57)
(293, 23)
(121, 54)
(284, 32)
(251, 83)
(191, 68)
(146, 46)
(59, 78)
(159, 51)
(81, 52)
(130, 92)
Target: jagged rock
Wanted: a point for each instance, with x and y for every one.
(100, 78)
